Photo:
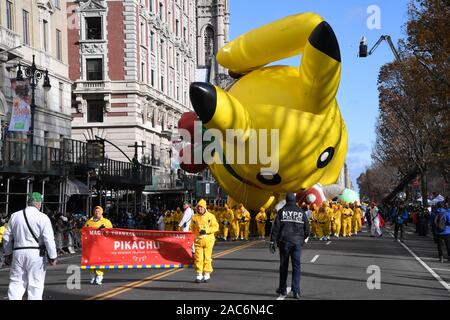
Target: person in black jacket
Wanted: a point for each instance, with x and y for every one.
(289, 231)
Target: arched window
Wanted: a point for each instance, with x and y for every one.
(209, 45)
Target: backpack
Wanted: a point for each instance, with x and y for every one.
(440, 221)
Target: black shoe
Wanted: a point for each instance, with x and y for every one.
(296, 295)
(281, 292)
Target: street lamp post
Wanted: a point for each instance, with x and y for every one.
(34, 75)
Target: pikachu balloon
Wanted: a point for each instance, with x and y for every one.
(300, 103)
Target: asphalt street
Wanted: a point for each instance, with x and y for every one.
(337, 270)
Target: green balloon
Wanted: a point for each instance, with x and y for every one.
(349, 196)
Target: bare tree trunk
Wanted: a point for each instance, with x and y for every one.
(424, 188)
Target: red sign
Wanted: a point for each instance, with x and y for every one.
(135, 249)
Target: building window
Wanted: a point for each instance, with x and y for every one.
(94, 69)
(45, 33)
(143, 72)
(161, 13)
(61, 97)
(143, 33)
(209, 44)
(184, 33)
(57, 4)
(162, 83)
(95, 110)
(162, 50)
(152, 37)
(150, 2)
(178, 93)
(94, 28)
(26, 27)
(178, 63)
(58, 45)
(153, 154)
(177, 27)
(9, 15)
(152, 78)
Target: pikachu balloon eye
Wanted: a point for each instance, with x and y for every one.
(269, 179)
(325, 158)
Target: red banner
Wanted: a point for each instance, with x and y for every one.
(135, 249)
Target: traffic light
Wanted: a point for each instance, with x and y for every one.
(96, 150)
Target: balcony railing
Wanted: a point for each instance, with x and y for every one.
(8, 38)
(125, 172)
(92, 85)
(16, 157)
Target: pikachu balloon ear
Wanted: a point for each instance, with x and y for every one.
(305, 33)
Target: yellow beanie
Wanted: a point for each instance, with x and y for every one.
(202, 203)
(98, 207)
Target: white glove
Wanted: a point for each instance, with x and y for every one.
(64, 219)
(306, 240)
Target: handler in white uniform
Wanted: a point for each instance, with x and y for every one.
(28, 267)
(185, 222)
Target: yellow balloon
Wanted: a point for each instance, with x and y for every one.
(298, 103)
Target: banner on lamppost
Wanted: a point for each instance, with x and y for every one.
(21, 110)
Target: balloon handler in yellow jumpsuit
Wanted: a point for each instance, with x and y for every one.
(204, 225)
(261, 219)
(98, 221)
(244, 222)
(347, 215)
(356, 219)
(336, 221)
(227, 220)
(323, 223)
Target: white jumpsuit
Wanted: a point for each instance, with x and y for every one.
(187, 217)
(375, 230)
(28, 268)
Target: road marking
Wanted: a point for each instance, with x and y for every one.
(430, 270)
(448, 270)
(139, 283)
(315, 258)
(288, 290)
(328, 243)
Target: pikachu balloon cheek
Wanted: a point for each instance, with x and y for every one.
(298, 104)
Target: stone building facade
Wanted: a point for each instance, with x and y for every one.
(36, 27)
(132, 62)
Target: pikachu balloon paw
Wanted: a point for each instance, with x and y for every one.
(298, 103)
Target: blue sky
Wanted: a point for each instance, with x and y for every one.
(358, 95)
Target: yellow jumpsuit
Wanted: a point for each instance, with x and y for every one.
(314, 225)
(177, 216)
(2, 231)
(347, 214)
(103, 222)
(204, 244)
(227, 218)
(217, 212)
(235, 224)
(336, 221)
(168, 222)
(323, 223)
(244, 223)
(261, 219)
(356, 222)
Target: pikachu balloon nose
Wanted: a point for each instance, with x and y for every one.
(297, 105)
